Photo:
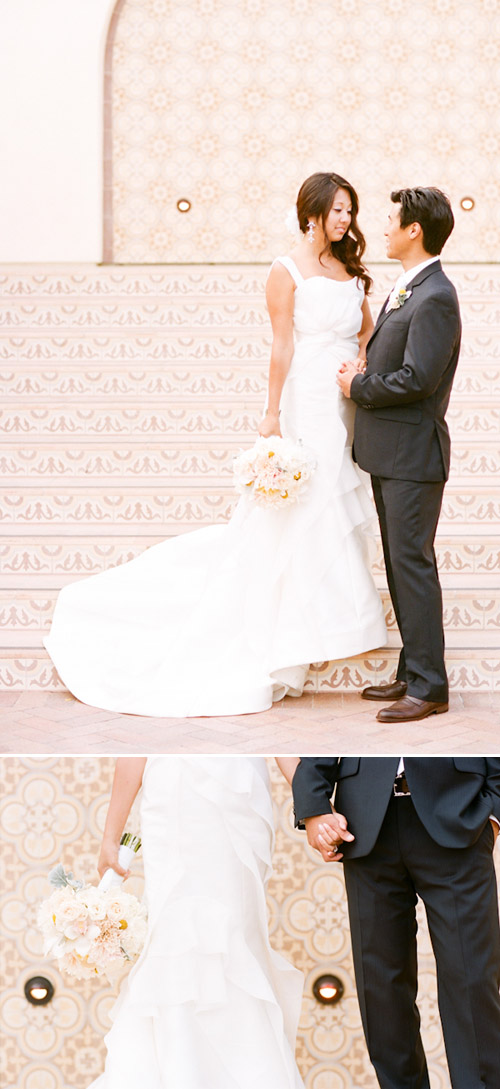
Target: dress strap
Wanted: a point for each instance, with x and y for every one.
(290, 265)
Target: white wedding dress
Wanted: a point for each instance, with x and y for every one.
(223, 620)
(209, 1004)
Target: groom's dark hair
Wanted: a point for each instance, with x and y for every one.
(432, 209)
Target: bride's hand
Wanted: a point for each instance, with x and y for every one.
(269, 425)
(108, 859)
(359, 363)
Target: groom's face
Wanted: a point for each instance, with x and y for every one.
(398, 239)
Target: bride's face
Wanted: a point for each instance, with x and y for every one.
(339, 217)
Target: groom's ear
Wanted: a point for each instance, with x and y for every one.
(415, 231)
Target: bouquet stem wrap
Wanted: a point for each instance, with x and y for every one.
(129, 846)
(93, 931)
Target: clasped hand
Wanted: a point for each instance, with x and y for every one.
(347, 371)
(326, 832)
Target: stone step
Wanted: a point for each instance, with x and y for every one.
(466, 511)
(183, 380)
(197, 349)
(61, 279)
(51, 562)
(126, 392)
(55, 280)
(183, 419)
(171, 315)
(471, 617)
(474, 671)
(140, 287)
(109, 351)
(197, 467)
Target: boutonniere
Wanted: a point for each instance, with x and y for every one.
(399, 299)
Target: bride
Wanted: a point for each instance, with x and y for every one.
(224, 620)
(209, 1003)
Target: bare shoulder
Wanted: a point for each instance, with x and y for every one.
(279, 273)
(280, 286)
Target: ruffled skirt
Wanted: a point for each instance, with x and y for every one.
(224, 620)
(209, 1004)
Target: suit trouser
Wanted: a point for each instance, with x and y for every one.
(458, 888)
(408, 512)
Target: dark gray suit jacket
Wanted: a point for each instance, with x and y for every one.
(454, 796)
(400, 430)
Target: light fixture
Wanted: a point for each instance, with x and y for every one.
(183, 205)
(467, 204)
(39, 990)
(328, 989)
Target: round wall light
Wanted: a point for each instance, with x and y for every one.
(467, 204)
(328, 989)
(183, 205)
(39, 990)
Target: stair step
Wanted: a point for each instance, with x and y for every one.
(471, 617)
(99, 463)
(183, 419)
(475, 671)
(184, 380)
(126, 393)
(194, 350)
(51, 562)
(198, 349)
(473, 511)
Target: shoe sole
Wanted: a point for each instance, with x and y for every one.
(383, 699)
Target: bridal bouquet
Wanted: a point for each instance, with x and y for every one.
(274, 472)
(92, 931)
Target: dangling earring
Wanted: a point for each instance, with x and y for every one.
(311, 227)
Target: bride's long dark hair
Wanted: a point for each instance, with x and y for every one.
(316, 196)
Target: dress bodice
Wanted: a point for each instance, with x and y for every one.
(325, 307)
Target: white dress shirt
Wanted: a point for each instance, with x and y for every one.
(410, 273)
(406, 278)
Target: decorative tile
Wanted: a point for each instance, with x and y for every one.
(219, 110)
(126, 393)
(61, 1046)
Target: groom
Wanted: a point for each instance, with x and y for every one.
(421, 826)
(402, 439)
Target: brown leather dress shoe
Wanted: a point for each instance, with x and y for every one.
(394, 691)
(410, 709)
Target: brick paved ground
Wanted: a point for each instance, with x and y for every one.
(54, 722)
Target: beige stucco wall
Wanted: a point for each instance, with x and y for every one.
(51, 128)
(53, 808)
(231, 103)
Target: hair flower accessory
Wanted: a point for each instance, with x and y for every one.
(292, 222)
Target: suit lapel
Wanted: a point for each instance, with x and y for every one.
(419, 279)
(383, 316)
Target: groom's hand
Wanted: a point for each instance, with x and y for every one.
(345, 376)
(326, 832)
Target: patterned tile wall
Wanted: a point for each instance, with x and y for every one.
(231, 103)
(127, 392)
(54, 808)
